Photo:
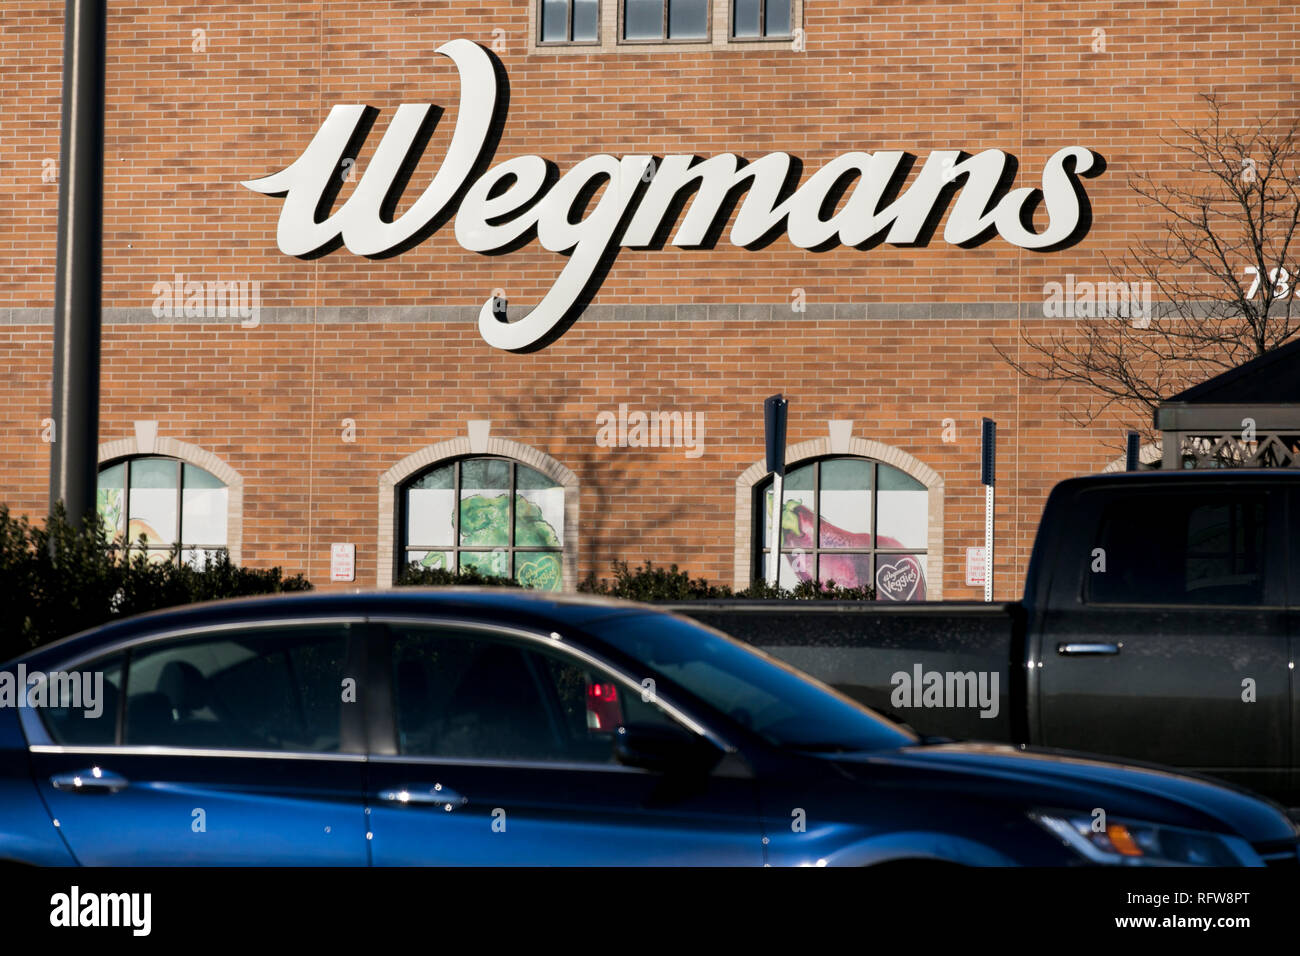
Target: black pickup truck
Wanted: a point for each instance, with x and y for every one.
(1160, 619)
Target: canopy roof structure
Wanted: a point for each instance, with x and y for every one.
(1247, 417)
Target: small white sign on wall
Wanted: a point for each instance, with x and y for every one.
(975, 567)
(343, 562)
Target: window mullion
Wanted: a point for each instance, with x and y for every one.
(510, 534)
(455, 529)
(126, 510)
(875, 515)
(817, 522)
(180, 509)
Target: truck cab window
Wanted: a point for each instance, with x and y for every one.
(1201, 550)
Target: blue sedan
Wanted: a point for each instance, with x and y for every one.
(493, 727)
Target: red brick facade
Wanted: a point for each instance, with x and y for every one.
(896, 339)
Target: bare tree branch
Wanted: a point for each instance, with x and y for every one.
(1218, 274)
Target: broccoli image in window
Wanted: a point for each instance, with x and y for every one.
(485, 523)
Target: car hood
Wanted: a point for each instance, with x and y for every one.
(1058, 779)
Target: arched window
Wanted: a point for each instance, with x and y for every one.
(855, 521)
(490, 513)
(166, 500)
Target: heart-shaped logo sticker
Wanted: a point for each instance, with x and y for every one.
(541, 574)
(900, 580)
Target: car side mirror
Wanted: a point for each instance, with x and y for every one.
(664, 749)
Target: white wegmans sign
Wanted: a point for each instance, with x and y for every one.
(511, 199)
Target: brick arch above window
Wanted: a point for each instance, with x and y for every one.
(445, 451)
(799, 452)
(135, 447)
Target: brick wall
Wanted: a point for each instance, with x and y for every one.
(186, 127)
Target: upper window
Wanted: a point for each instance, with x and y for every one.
(853, 521)
(756, 19)
(166, 500)
(492, 514)
(570, 21)
(1193, 549)
(663, 20)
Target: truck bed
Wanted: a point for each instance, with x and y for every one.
(858, 646)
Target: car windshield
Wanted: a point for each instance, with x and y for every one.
(781, 705)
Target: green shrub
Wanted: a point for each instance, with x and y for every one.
(58, 579)
(808, 591)
(413, 575)
(649, 583)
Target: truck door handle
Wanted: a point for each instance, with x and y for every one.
(1080, 649)
(92, 780)
(424, 794)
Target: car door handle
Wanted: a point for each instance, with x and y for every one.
(1083, 648)
(448, 798)
(91, 780)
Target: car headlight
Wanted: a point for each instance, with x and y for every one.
(1134, 843)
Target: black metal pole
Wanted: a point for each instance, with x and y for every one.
(1132, 451)
(77, 273)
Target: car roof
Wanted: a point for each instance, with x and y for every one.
(501, 605)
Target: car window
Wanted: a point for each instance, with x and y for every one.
(1192, 549)
(472, 695)
(80, 706)
(594, 706)
(272, 688)
(776, 702)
